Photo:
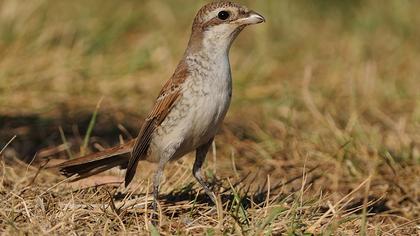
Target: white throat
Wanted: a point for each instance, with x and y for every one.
(218, 39)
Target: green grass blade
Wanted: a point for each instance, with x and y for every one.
(64, 140)
(92, 123)
(153, 230)
(270, 218)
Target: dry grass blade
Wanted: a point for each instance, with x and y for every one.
(314, 226)
(331, 86)
(7, 144)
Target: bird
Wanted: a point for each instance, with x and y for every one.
(190, 107)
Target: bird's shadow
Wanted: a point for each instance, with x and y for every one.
(239, 194)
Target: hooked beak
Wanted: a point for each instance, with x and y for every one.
(251, 18)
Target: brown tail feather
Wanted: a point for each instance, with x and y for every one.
(96, 162)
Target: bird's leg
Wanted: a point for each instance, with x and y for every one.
(200, 156)
(156, 183)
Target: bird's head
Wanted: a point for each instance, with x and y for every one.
(217, 24)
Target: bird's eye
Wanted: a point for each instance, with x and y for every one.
(223, 15)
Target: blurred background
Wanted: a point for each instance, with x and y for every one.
(331, 84)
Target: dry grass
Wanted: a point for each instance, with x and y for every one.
(323, 135)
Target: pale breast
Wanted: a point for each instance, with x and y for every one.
(196, 116)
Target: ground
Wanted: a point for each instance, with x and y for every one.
(323, 135)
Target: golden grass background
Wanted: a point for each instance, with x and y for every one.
(326, 103)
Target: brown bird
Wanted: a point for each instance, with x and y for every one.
(190, 107)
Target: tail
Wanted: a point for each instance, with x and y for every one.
(98, 162)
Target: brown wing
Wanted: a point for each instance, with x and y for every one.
(163, 105)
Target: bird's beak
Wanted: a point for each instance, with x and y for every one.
(251, 18)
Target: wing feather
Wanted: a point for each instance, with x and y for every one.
(167, 98)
